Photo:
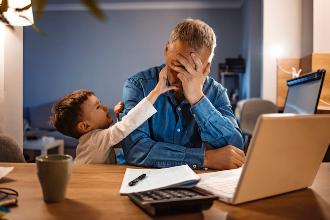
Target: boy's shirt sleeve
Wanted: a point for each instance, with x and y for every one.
(134, 118)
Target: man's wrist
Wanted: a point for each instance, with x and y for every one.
(196, 99)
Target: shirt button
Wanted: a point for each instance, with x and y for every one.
(178, 130)
(194, 166)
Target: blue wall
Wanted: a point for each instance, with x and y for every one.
(252, 48)
(82, 52)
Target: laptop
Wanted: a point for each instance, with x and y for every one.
(304, 93)
(284, 155)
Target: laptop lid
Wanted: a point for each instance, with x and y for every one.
(285, 153)
(304, 93)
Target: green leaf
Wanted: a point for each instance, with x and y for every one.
(94, 8)
(24, 8)
(39, 6)
(4, 20)
(4, 6)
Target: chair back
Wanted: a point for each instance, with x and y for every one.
(10, 151)
(250, 110)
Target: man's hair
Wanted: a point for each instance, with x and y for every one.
(196, 33)
(67, 112)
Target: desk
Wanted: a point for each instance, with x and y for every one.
(93, 193)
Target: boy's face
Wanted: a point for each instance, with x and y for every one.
(95, 114)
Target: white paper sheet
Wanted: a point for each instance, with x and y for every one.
(159, 178)
(4, 171)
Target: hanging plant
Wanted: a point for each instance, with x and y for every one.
(39, 6)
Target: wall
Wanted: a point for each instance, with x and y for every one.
(11, 83)
(252, 47)
(321, 29)
(282, 28)
(81, 52)
(307, 28)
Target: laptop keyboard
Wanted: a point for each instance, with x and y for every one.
(222, 183)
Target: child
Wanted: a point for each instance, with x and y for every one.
(82, 116)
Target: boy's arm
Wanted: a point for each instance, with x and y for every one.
(116, 133)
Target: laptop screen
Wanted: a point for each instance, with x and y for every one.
(303, 93)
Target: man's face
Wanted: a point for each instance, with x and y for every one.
(95, 113)
(175, 48)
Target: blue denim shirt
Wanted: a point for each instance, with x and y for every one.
(178, 133)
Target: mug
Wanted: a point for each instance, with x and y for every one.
(54, 172)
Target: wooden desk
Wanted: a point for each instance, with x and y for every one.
(93, 193)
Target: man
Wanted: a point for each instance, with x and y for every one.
(195, 124)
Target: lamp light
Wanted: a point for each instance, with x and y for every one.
(19, 17)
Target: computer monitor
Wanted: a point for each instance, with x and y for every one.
(304, 93)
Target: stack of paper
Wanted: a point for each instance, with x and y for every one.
(179, 176)
(5, 170)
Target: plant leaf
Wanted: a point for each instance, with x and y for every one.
(4, 20)
(24, 8)
(94, 8)
(4, 6)
(39, 8)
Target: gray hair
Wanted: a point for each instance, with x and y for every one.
(196, 33)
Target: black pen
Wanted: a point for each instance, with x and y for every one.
(136, 180)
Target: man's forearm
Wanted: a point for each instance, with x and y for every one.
(216, 128)
(149, 153)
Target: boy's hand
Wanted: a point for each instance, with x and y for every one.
(118, 108)
(161, 87)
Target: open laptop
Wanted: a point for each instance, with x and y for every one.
(304, 93)
(284, 155)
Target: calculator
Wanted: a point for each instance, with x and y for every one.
(173, 201)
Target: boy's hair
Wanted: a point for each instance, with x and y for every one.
(196, 33)
(67, 112)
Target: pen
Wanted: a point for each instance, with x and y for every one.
(136, 180)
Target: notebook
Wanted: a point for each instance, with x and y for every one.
(284, 155)
(178, 176)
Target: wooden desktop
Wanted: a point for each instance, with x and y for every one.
(93, 193)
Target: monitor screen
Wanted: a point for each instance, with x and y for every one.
(303, 93)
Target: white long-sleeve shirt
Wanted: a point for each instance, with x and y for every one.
(94, 146)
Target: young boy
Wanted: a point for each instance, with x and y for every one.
(81, 115)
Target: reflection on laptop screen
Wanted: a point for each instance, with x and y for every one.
(303, 93)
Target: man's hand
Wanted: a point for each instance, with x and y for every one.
(224, 158)
(192, 75)
(118, 108)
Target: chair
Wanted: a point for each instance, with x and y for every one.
(10, 151)
(247, 113)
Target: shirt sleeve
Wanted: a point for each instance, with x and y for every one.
(216, 122)
(141, 150)
(116, 133)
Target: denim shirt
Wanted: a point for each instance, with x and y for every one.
(178, 133)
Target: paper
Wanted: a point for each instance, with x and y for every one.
(221, 183)
(179, 176)
(4, 171)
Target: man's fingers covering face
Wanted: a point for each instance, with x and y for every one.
(207, 69)
(190, 67)
(182, 71)
(197, 61)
